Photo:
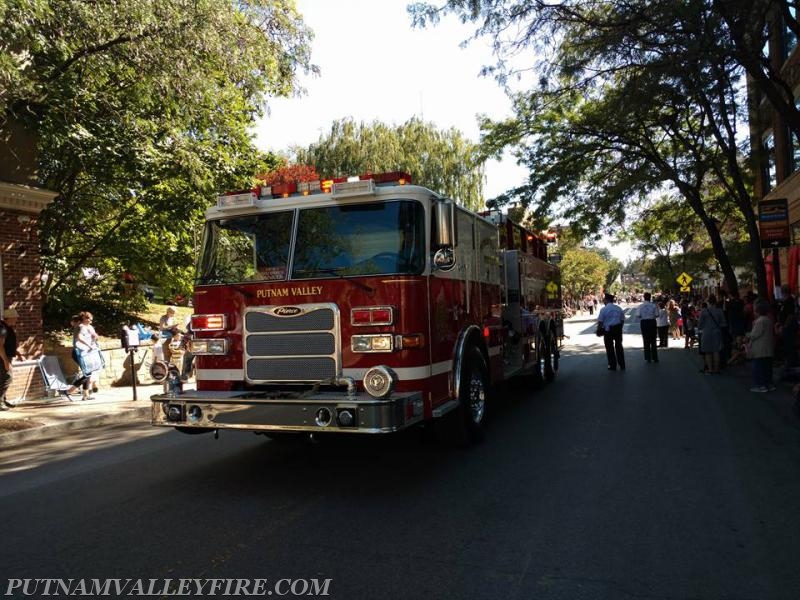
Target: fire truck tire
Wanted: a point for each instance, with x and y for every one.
(468, 422)
(536, 378)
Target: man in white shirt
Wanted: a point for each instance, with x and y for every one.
(648, 313)
(611, 317)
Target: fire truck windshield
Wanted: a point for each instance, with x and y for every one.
(376, 238)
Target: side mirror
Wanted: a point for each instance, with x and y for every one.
(444, 259)
(443, 235)
(443, 222)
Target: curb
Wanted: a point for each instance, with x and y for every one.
(48, 431)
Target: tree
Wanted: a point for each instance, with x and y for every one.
(444, 161)
(751, 27)
(142, 110)
(583, 272)
(632, 96)
(613, 270)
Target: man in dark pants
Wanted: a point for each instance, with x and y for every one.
(648, 312)
(611, 317)
(8, 351)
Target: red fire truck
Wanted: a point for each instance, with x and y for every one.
(361, 305)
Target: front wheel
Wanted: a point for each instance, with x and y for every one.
(467, 424)
(551, 355)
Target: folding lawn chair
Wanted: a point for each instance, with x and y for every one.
(54, 380)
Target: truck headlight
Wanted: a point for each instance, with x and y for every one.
(174, 413)
(211, 346)
(383, 342)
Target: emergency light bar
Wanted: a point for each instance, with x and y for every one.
(284, 190)
(360, 185)
(237, 200)
(353, 188)
(309, 187)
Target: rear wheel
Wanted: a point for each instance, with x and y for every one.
(536, 377)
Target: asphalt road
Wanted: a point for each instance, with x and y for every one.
(656, 482)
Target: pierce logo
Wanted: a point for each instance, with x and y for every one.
(287, 311)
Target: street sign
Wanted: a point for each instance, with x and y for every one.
(684, 279)
(551, 288)
(686, 288)
(773, 223)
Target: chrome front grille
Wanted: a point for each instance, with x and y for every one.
(296, 344)
(318, 319)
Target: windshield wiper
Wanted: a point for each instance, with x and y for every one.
(336, 272)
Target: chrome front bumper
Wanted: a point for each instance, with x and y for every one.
(260, 412)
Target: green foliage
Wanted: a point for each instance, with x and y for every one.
(444, 161)
(664, 228)
(676, 241)
(614, 270)
(583, 272)
(632, 97)
(665, 271)
(142, 110)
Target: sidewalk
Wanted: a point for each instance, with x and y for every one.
(49, 417)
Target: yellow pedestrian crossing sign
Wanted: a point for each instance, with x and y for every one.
(684, 279)
(552, 288)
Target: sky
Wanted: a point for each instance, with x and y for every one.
(374, 66)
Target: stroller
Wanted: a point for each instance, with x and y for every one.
(160, 367)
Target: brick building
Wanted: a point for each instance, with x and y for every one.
(776, 153)
(20, 267)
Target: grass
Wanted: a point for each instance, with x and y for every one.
(153, 313)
